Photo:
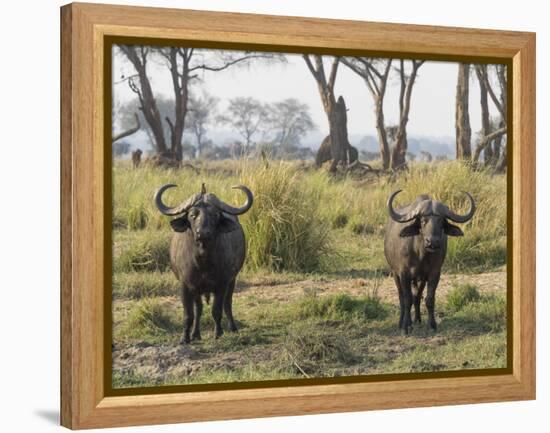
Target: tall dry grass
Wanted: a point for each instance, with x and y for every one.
(301, 219)
(285, 228)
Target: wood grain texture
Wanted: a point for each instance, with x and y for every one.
(67, 393)
(83, 400)
(524, 215)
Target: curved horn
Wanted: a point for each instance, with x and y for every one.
(172, 211)
(224, 207)
(397, 217)
(463, 218)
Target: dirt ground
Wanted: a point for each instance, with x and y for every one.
(271, 288)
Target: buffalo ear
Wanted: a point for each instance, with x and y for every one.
(180, 224)
(452, 230)
(410, 230)
(227, 224)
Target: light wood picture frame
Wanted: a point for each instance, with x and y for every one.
(86, 400)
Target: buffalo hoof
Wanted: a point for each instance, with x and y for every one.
(219, 334)
(185, 340)
(406, 330)
(233, 328)
(433, 326)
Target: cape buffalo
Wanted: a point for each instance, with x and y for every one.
(206, 254)
(415, 246)
(136, 157)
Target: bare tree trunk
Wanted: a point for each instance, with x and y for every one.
(375, 74)
(491, 140)
(338, 133)
(399, 151)
(497, 144)
(335, 110)
(382, 135)
(180, 82)
(462, 118)
(503, 83)
(502, 162)
(147, 101)
(483, 145)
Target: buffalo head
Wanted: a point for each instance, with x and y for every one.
(204, 215)
(429, 219)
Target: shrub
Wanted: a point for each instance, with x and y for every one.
(340, 307)
(461, 295)
(137, 217)
(486, 315)
(150, 318)
(284, 229)
(150, 251)
(374, 308)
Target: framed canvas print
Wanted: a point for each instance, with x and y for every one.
(268, 216)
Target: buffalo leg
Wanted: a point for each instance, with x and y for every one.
(407, 303)
(417, 297)
(217, 306)
(228, 306)
(433, 281)
(401, 305)
(196, 335)
(188, 314)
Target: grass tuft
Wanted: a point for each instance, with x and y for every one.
(308, 348)
(142, 251)
(149, 318)
(460, 296)
(341, 307)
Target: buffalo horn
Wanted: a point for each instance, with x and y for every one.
(462, 218)
(224, 207)
(172, 211)
(397, 217)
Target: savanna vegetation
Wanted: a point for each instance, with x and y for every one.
(314, 298)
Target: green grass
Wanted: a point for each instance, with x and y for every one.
(149, 320)
(462, 295)
(141, 251)
(319, 335)
(340, 307)
(485, 316)
(137, 285)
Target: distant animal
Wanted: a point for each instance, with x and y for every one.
(136, 157)
(415, 246)
(206, 254)
(426, 156)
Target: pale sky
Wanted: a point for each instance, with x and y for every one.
(432, 106)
